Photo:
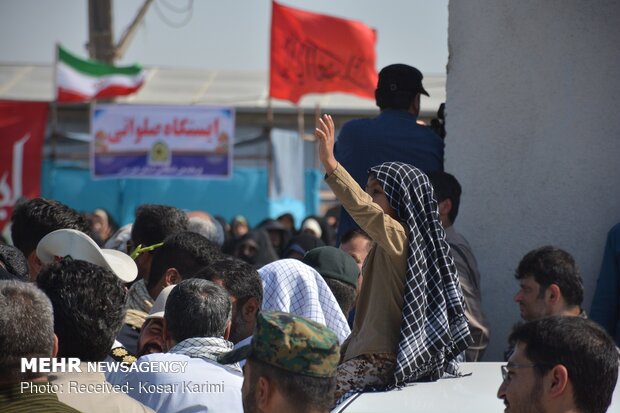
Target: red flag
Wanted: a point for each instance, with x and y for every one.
(316, 53)
(22, 129)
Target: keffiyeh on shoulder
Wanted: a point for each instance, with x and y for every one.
(291, 286)
(434, 328)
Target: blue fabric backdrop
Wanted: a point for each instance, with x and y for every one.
(244, 194)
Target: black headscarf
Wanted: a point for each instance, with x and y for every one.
(265, 252)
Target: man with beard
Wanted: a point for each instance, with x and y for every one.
(244, 285)
(151, 338)
(291, 365)
(560, 364)
(179, 257)
(549, 283)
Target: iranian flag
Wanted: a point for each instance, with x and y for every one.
(79, 80)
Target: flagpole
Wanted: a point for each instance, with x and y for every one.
(300, 121)
(54, 105)
(317, 116)
(269, 147)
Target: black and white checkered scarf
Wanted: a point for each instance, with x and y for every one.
(434, 328)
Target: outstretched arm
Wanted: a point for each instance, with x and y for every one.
(325, 134)
(382, 228)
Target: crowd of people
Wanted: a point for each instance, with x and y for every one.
(270, 318)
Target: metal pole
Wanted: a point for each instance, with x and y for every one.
(100, 33)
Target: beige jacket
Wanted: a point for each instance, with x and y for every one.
(378, 312)
(88, 393)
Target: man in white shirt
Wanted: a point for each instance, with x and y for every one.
(188, 377)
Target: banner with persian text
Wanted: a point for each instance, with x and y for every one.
(317, 53)
(22, 130)
(131, 141)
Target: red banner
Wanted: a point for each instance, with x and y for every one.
(316, 53)
(22, 130)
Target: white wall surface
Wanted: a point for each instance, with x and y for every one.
(533, 123)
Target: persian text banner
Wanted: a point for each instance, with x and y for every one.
(131, 141)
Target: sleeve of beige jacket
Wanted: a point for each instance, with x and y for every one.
(383, 229)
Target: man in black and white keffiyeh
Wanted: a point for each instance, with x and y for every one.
(433, 329)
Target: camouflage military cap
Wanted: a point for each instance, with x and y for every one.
(291, 343)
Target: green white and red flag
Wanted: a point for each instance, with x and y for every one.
(79, 80)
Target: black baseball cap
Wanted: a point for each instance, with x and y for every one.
(400, 78)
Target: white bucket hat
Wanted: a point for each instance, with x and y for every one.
(79, 246)
(159, 308)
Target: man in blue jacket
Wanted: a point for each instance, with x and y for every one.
(394, 135)
(606, 302)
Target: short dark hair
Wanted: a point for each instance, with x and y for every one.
(14, 262)
(89, 307)
(344, 294)
(354, 233)
(551, 265)
(197, 308)
(299, 390)
(240, 278)
(186, 251)
(154, 223)
(400, 100)
(585, 349)
(26, 328)
(37, 217)
(446, 186)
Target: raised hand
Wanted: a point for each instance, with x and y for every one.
(325, 135)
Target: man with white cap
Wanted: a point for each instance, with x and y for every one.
(77, 245)
(88, 302)
(73, 244)
(151, 338)
(34, 219)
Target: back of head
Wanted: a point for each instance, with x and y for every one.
(154, 223)
(446, 186)
(197, 308)
(398, 85)
(238, 277)
(37, 217)
(296, 355)
(582, 347)
(88, 303)
(208, 227)
(26, 328)
(340, 272)
(186, 251)
(14, 262)
(550, 265)
(293, 287)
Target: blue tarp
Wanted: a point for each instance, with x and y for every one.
(244, 194)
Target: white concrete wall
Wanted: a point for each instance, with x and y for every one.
(533, 95)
